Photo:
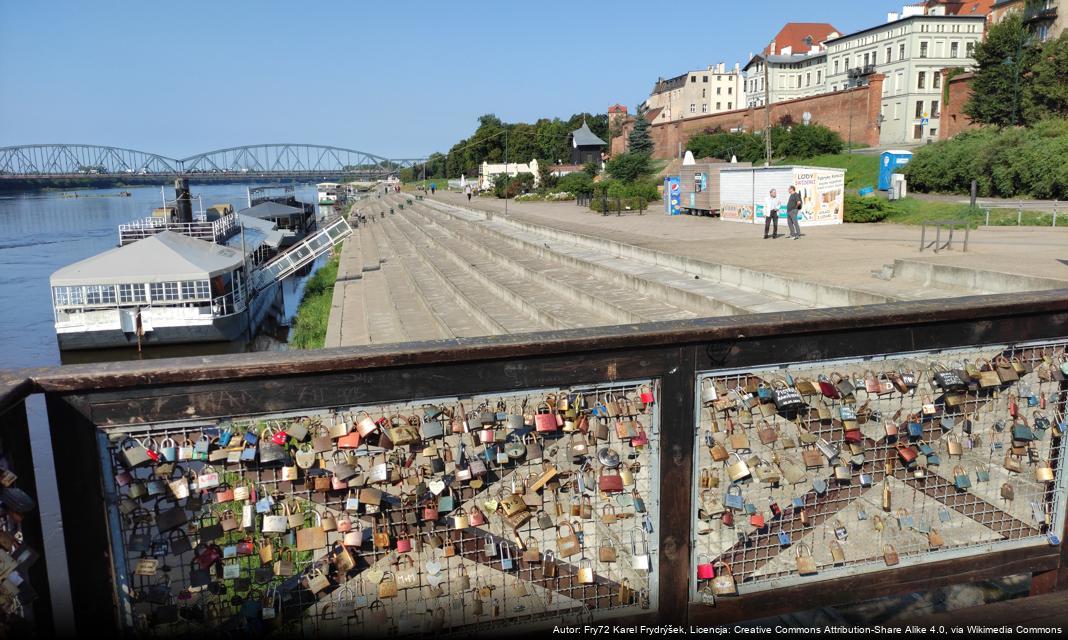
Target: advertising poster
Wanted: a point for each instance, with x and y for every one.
(672, 195)
(821, 195)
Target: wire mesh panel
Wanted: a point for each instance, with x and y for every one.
(815, 471)
(439, 515)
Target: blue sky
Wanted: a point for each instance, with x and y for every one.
(398, 79)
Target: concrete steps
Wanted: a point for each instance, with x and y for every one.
(947, 277)
(693, 290)
(457, 317)
(471, 293)
(545, 301)
(415, 315)
(383, 320)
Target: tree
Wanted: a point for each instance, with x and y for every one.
(1046, 93)
(1002, 60)
(629, 167)
(640, 141)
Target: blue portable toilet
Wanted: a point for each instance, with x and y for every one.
(889, 162)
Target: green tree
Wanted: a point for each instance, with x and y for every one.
(591, 168)
(1046, 93)
(806, 141)
(1002, 61)
(640, 140)
(629, 167)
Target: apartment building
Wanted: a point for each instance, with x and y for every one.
(795, 63)
(696, 93)
(910, 52)
(788, 76)
(1045, 18)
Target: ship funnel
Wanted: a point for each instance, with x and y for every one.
(183, 201)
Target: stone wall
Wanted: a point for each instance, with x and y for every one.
(856, 109)
(956, 93)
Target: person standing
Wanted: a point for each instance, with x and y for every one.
(433, 188)
(771, 214)
(467, 190)
(793, 206)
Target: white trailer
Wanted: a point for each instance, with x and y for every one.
(743, 191)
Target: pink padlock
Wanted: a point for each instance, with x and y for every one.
(404, 545)
(646, 396)
(476, 517)
(641, 439)
(705, 570)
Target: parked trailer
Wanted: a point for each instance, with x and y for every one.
(700, 186)
(744, 191)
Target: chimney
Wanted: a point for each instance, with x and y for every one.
(183, 201)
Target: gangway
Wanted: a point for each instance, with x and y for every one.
(301, 254)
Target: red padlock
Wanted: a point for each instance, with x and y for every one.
(279, 437)
(728, 518)
(1013, 410)
(475, 517)
(855, 436)
(757, 520)
(705, 570)
(641, 439)
(404, 545)
(153, 454)
(776, 511)
(646, 395)
(430, 510)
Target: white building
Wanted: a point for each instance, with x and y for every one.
(911, 52)
(789, 76)
(488, 172)
(696, 93)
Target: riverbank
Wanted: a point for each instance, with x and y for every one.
(313, 314)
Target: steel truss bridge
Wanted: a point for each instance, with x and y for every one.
(279, 160)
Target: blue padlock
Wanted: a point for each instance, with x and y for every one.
(224, 436)
(819, 485)
(784, 538)
(732, 499)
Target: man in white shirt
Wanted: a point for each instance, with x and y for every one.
(771, 215)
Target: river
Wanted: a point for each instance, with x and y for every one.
(42, 231)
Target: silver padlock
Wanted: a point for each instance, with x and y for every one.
(827, 449)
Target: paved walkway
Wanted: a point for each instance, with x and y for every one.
(1060, 206)
(843, 255)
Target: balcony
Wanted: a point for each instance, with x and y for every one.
(1040, 14)
(860, 72)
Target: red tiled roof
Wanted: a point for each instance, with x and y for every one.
(794, 34)
(973, 8)
(617, 108)
(651, 114)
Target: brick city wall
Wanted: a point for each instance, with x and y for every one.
(957, 92)
(833, 110)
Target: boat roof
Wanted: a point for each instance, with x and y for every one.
(257, 232)
(271, 209)
(164, 257)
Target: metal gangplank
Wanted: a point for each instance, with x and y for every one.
(301, 254)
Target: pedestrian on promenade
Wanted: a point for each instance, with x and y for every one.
(467, 190)
(433, 188)
(793, 206)
(771, 214)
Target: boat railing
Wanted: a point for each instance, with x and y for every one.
(231, 303)
(214, 231)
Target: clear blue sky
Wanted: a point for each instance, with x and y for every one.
(398, 79)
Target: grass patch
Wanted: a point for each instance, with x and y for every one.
(915, 211)
(313, 314)
(861, 170)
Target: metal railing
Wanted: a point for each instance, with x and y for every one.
(85, 401)
(215, 231)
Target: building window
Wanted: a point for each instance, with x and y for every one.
(919, 108)
(836, 66)
(704, 79)
(934, 109)
(819, 76)
(67, 296)
(936, 79)
(704, 107)
(808, 79)
(730, 90)
(923, 49)
(703, 92)
(897, 81)
(693, 78)
(129, 293)
(917, 131)
(195, 290)
(970, 48)
(954, 49)
(693, 107)
(164, 291)
(730, 106)
(933, 132)
(719, 106)
(921, 83)
(867, 59)
(897, 111)
(901, 52)
(719, 90)
(100, 294)
(889, 53)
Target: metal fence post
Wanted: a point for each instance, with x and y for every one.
(1019, 214)
(1055, 213)
(987, 217)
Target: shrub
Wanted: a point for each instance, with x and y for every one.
(860, 209)
(505, 187)
(580, 182)
(1008, 162)
(629, 167)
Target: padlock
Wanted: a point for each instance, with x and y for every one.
(806, 564)
(890, 556)
(784, 538)
(507, 562)
(738, 470)
(585, 572)
(1043, 472)
(961, 481)
(840, 531)
(733, 498)
(723, 584)
(837, 552)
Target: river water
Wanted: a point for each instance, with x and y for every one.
(45, 230)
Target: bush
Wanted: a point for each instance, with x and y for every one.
(1006, 163)
(580, 182)
(798, 141)
(629, 167)
(860, 209)
(809, 141)
(505, 187)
